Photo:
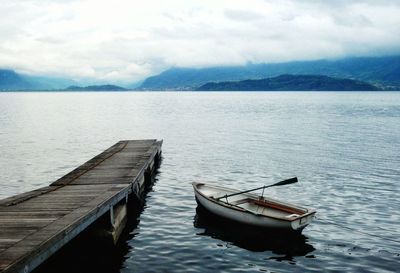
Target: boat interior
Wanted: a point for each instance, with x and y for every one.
(267, 207)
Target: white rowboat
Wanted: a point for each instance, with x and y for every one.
(250, 209)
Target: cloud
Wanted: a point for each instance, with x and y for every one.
(243, 15)
(122, 41)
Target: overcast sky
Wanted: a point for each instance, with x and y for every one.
(123, 41)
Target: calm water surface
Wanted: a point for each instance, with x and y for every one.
(343, 147)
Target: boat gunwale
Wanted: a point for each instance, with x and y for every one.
(237, 208)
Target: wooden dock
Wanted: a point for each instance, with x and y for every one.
(34, 225)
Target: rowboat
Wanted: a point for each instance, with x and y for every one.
(250, 209)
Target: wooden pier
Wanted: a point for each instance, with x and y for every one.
(34, 225)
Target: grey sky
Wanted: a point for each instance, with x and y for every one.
(123, 41)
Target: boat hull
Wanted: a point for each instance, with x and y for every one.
(247, 218)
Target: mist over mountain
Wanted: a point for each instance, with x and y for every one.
(48, 83)
(383, 72)
(13, 81)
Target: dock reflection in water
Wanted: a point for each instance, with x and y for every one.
(287, 244)
(89, 252)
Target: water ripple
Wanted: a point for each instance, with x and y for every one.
(343, 147)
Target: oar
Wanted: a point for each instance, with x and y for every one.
(281, 183)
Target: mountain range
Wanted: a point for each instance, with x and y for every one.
(381, 72)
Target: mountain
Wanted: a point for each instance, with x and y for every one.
(380, 71)
(9, 80)
(13, 81)
(290, 83)
(106, 87)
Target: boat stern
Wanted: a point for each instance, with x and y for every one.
(301, 222)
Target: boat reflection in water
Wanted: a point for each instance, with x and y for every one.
(286, 243)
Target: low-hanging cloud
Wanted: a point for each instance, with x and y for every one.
(122, 41)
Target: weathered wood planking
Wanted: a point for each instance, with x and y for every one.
(36, 224)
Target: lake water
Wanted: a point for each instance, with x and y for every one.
(343, 147)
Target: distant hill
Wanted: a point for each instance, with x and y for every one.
(290, 83)
(107, 87)
(380, 71)
(9, 80)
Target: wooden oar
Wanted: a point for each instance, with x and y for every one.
(281, 183)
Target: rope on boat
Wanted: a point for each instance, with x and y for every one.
(359, 231)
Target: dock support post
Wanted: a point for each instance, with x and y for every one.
(119, 218)
(112, 221)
